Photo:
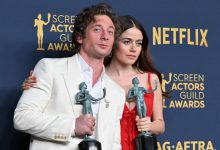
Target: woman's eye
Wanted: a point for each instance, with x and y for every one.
(139, 44)
(126, 42)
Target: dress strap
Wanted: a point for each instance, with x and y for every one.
(148, 78)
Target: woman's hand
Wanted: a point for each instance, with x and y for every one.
(143, 124)
(29, 82)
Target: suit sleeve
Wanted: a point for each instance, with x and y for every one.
(29, 114)
(117, 138)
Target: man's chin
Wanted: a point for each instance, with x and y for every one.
(103, 55)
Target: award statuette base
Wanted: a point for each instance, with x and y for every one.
(146, 141)
(89, 144)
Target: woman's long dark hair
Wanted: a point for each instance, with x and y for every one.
(144, 62)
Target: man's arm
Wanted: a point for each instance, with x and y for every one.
(30, 116)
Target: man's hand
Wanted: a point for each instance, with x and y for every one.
(84, 125)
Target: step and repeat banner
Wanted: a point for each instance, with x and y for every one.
(184, 41)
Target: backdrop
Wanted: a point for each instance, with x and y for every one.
(183, 39)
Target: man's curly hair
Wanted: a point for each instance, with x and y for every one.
(86, 16)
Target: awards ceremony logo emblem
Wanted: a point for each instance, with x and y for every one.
(39, 24)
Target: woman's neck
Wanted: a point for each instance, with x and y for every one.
(119, 70)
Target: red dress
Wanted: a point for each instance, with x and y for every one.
(128, 125)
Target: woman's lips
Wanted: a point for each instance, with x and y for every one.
(131, 56)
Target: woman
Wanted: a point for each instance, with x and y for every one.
(131, 58)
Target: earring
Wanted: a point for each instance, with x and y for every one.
(138, 64)
(110, 55)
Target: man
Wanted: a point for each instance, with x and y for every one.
(49, 112)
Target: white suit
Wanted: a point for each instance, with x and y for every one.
(48, 110)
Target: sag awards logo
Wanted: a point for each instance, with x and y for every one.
(187, 90)
(59, 26)
(186, 145)
(187, 36)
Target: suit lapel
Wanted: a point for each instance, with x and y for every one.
(73, 78)
(105, 111)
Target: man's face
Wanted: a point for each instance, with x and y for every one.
(99, 37)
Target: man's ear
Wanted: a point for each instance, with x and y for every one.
(79, 39)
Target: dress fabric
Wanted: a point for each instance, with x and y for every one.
(128, 125)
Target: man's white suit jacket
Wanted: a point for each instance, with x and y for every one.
(48, 110)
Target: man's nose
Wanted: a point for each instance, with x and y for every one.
(104, 35)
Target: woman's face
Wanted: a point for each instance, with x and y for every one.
(129, 46)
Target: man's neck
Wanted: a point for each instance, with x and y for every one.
(95, 64)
